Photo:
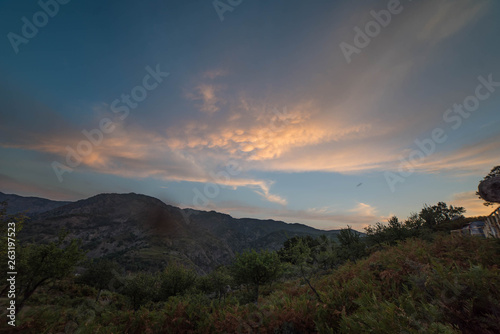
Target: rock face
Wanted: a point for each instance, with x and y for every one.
(143, 233)
(489, 189)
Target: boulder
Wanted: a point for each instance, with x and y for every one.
(489, 189)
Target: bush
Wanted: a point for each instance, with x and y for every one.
(140, 289)
(175, 280)
(100, 274)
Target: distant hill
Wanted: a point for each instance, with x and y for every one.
(143, 233)
(29, 205)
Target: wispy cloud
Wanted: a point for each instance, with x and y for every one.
(138, 153)
(450, 17)
(473, 158)
(271, 197)
(338, 119)
(324, 218)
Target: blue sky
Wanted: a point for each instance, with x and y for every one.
(262, 114)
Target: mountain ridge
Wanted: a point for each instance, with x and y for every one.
(34, 205)
(144, 233)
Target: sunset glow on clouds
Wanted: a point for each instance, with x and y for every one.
(269, 92)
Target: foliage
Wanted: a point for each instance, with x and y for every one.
(100, 274)
(421, 225)
(175, 280)
(45, 263)
(448, 285)
(351, 245)
(395, 231)
(316, 252)
(253, 268)
(140, 289)
(303, 253)
(413, 279)
(216, 282)
(440, 213)
(5, 219)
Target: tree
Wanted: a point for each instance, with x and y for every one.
(216, 282)
(305, 253)
(495, 171)
(6, 229)
(256, 269)
(394, 231)
(351, 245)
(429, 219)
(288, 253)
(326, 254)
(41, 264)
(140, 289)
(175, 280)
(10, 226)
(99, 274)
(440, 213)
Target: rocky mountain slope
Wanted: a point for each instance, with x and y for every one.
(143, 233)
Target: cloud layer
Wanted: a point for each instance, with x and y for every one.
(290, 108)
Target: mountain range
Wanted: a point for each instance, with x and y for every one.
(143, 233)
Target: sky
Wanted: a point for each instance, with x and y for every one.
(327, 113)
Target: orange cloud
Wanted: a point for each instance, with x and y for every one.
(365, 210)
(208, 95)
(472, 204)
(343, 122)
(263, 134)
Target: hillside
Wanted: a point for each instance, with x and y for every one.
(29, 205)
(143, 233)
(407, 276)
